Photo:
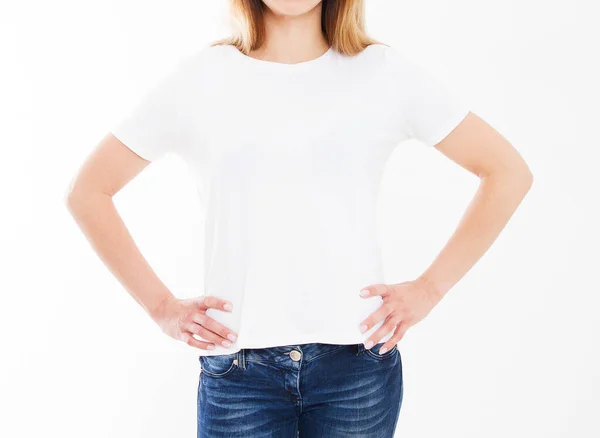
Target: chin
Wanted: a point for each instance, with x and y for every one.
(291, 7)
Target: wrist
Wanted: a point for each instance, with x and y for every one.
(157, 308)
(431, 287)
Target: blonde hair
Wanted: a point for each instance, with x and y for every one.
(342, 23)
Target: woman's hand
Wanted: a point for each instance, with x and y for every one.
(404, 305)
(181, 318)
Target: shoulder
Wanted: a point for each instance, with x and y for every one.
(394, 58)
(382, 52)
(388, 59)
(210, 53)
(402, 69)
(202, 61)
(371, 54)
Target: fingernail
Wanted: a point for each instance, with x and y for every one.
(382, 350)
(363, 328)
(231, 337)
(364, 293)
(211, 347)
(226, 344)
(369, 344)
(227, 306)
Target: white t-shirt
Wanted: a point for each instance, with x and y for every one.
(288, 160)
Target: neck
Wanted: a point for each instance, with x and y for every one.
(292, 38)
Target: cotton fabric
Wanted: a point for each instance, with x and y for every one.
(288, 160)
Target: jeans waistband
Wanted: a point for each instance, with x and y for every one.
(307, 352)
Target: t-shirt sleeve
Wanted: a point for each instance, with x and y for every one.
(155, 124)
(430, 108)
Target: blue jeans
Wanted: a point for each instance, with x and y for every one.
(308, 390)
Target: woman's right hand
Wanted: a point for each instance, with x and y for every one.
(181, 318)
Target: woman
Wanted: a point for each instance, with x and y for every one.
(287, 126)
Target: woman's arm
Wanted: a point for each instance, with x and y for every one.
(505, 179)
(89, 200)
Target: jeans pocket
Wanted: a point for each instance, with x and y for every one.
(374, 351)
(219, 365)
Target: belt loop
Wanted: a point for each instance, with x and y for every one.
(242, 359)
(360, 348)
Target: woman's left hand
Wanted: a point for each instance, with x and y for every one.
(404, 305)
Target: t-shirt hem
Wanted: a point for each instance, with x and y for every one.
(450, 126)
(323, 338)
(133, 146)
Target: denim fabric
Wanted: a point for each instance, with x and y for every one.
(329, 391)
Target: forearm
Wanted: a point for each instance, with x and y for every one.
(97, 217)
(495, 201)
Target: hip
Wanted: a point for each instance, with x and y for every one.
(304, 387)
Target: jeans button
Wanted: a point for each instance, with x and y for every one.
(295, 355)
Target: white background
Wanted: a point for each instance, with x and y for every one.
(512, 350)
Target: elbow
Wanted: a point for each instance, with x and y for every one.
(81, 201)
(72, 198)
(76, 196)
(70, 201)
(525, 178)
(69, 198)
(518, 179)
